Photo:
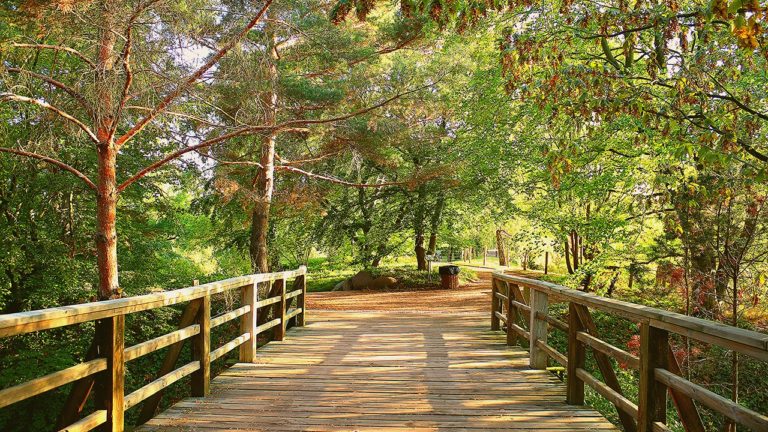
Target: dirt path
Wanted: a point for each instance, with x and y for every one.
(471, 297)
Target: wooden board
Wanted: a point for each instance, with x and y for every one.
(379, 371)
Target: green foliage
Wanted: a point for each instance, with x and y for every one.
(635, 137)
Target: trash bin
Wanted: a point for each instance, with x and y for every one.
(449, 276)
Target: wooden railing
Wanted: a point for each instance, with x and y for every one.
(105, 371)
(524, 315)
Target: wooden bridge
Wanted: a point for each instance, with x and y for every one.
(378, 371)
(384, 371)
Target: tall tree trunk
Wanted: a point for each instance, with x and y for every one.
(418, 228)
(500, 247)
(421, 254)
(106, 195)
(106, 234)
(702, 269)
(434, 224)
(432, 244)
(381, 251)
(575, 249)
(568, 265)
(265, 181)
(259, 249)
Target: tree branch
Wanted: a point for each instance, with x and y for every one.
(178, 114)
(733, 99)
(288, 126)
(17, 98)
(246, 163)
(653, 212)
(178, 153)
(52, 161)
(58, 48)
(193, 78)
(140, 8)
(58, 84)
(351, 63)
(337, 180)
(310, 160)
(126, 55)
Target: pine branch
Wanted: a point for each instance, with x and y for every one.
(309, 160)
(351, 63)
(11, 97)
(178, 153)
(288, 126)
(187, 83)
(125, 96)
(58, 48)
(52, 161)
(337, 180)
(58, 84)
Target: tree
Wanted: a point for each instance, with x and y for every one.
(313, 69)
(101, 112)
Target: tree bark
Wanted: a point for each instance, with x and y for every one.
(106, 234)
(421, 254)
(418, 227)
(432, 245)
(568, 257)
(575, 249)
(106, 195)
(265, 181)
(500, 247)
(381, 251)
(435, 224)
(259, 248)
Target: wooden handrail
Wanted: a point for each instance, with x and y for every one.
(44, 319)
(696, 328)
(659, 372)
(107, 370)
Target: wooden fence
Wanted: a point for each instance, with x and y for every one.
(105, 372)
(523, 314)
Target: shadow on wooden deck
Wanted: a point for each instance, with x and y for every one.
(384, 371)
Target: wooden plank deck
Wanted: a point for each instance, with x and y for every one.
(384, 371)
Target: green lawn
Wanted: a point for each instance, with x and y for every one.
(323, 275)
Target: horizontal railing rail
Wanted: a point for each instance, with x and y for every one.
(105, 372)
(524, 315)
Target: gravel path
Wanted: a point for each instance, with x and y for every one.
(470, 297)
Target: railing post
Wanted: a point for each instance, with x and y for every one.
(149, 408)
(652, 406)
(201, 349)
(280, 329)
(576, 358)
(494, 304)
(512, 314)
(301, 301)
(110, 385)
(538, 329)
(249, 322)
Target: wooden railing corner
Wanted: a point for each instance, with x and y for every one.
(658, 371)
(104, 368)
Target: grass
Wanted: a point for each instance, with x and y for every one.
(323, 274)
